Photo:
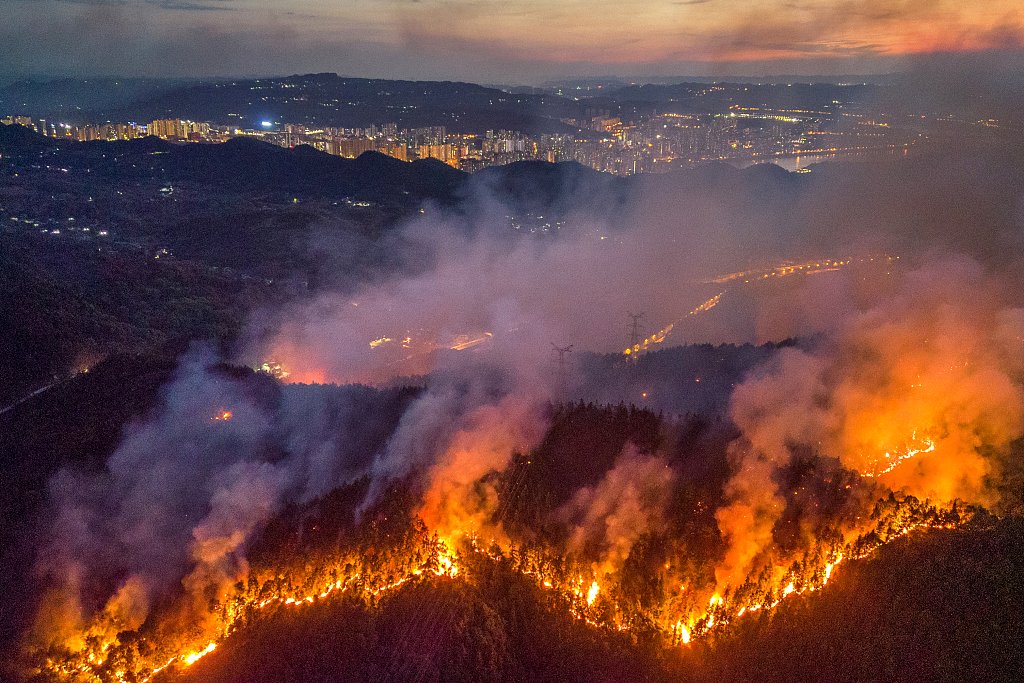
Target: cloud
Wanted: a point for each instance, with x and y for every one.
(457, 40)
(202, 5)
(163, 4)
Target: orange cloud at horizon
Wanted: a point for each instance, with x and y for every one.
(714, 30)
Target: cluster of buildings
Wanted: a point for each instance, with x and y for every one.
(606, 143)
(168, 129)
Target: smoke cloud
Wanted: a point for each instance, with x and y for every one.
(609, 518)
(923, 392)
(178, 501)
(153, 515)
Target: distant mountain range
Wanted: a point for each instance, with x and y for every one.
(332, 100)
(315, 99)
(252, 167)
(70, 97)
(241, 165)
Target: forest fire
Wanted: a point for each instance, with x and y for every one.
(378, 418)
(193, 657)
(600, 512)
(461, 526)
(420, 556)
(104, 658)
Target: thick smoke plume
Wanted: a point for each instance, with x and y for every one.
(923, 392)
(178, 501)
(608, 519)
(457, 499)
(157, 515)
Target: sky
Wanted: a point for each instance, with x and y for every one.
(492, 41)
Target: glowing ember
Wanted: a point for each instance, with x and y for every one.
(193, 657)
(829, 567)
(890, 460)
(272, 368)
(223, 416)
(446, 563)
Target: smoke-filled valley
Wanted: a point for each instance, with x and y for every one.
(713, 424)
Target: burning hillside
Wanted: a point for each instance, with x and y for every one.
(386, 560)
(627, 540)
(240, 496)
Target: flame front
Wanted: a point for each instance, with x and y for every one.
(193, 657)
(421, 557)
(890, 460)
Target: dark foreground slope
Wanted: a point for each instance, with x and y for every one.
(65, 305)
(238, 165)
(939, 606)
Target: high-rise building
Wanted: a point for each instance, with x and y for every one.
(350, 147)
(398, 150)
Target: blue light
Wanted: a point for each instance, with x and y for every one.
(266, 124)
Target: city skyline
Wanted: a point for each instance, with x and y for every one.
(514, 42)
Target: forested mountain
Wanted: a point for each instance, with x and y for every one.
(311, 99)
(938, 605)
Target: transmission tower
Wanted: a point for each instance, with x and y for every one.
(558, 355)
(635, 334)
